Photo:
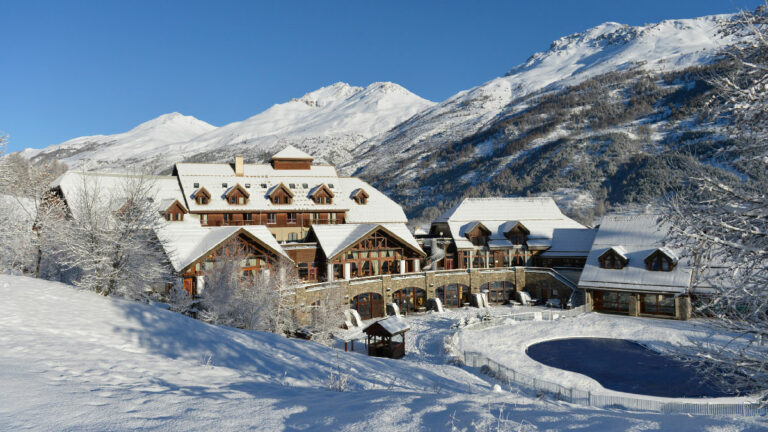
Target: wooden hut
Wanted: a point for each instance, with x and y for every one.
(380, 341)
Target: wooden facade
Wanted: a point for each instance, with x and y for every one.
(378, 253)
(254, 257)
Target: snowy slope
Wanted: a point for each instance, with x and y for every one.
(326, 123)
(669, 45)
(73, 360)
(154, 134)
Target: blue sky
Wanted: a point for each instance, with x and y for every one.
(77, 68)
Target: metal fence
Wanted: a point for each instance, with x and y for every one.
(581, 397)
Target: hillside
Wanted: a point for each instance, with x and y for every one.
(578, 120)
(74, 360)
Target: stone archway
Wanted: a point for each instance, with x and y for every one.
(453, 295)
(499, 291)
(368, 305)
(410, 299)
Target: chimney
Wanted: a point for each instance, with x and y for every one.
(239, 166)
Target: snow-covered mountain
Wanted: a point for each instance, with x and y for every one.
(155, 134)
(669, 45)
(328, 123)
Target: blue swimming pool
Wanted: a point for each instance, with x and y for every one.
(626, 366)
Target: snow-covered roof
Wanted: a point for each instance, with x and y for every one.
(393, 325)
(636, 237)
(291, 152)
(187, 241)
(165, 189)
(540, 216)
(570, 242)
(334, 239)
(260, 179)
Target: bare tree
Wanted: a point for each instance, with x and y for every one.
(111, 240)
(723, 220)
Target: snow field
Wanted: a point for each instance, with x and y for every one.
(73, 360)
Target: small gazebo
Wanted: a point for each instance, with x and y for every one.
(380, 341)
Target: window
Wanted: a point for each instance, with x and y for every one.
(204, 219)
(271, 218)
(292, 185)
(293, 236)
(611, 260)
(248, 216)
(659, 304)
(247, 185)
(197, 185)
(333, 217)
(263, 185)
(304, 185)
(330, 185)
(276, 200)
(228, 217)
(223, 185)
(658, 262)
(292, 218)
(241, 200)
(233, 200)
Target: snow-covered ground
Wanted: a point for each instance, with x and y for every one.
(73, 360)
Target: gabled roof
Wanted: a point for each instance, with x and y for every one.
(291, 152)
(639, 236)
(509, 226)
(282, 187)
(570, 242)
(667, 252)
(187, 241)
(391, 326)
(320, 187)
(335, 239)
(468, 228)
(618, 250)
(202, 191)
(359, 192)
(166, 204)
(242, 190)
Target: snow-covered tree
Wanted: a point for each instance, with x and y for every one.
(723, 220)
(263, 301)
(111, 241)
(31, 214)
(327, 314)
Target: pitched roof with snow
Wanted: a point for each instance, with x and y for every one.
(164, 189)
(540, 216)
(334, 239)
(392, 325)
(291, 152)
(187, 241)
(636, 237)
(261, 179)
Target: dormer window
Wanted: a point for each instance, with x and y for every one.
(614, 258)
(281, 194)
(477, 233)
(202, 196)
(360, 196)
(516, 233)
(330, 185)
(174, 211)
(322, 195)
(197, 185)
(237, 195)
(661, 260)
